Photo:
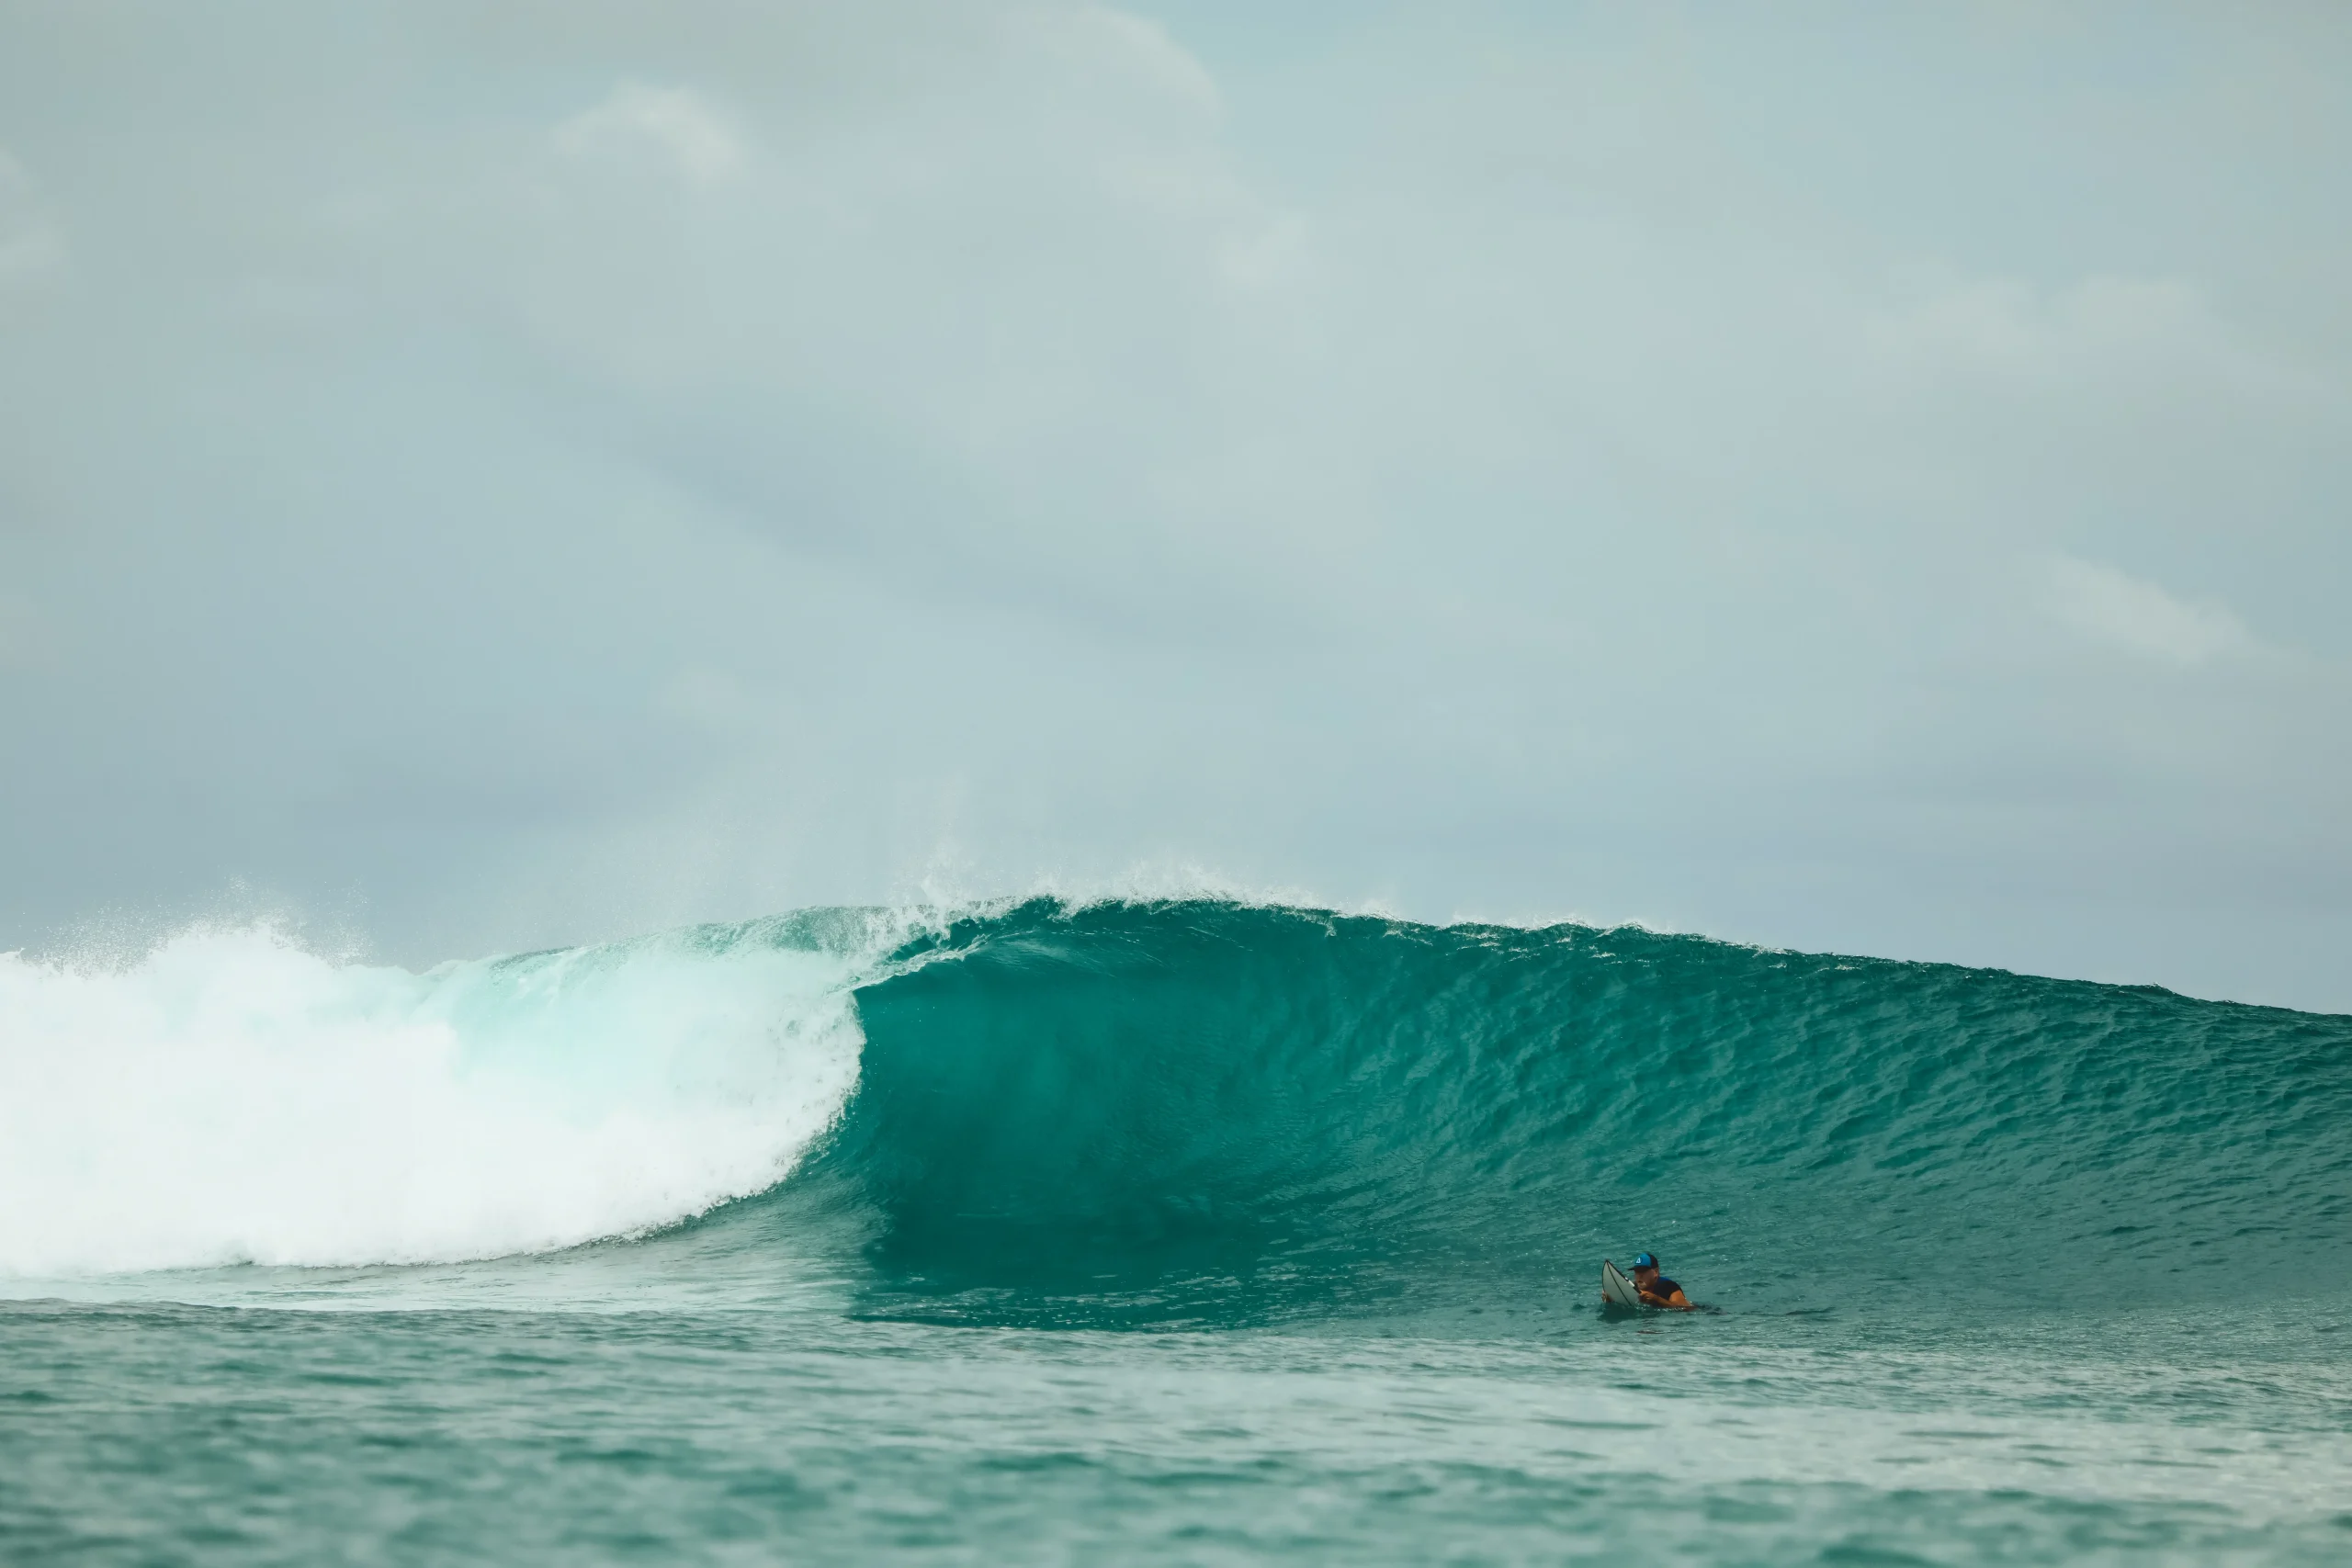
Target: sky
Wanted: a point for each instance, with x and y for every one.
(1849, 477)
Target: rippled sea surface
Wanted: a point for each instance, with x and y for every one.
(134, 1434)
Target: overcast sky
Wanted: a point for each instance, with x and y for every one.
(1858, 477)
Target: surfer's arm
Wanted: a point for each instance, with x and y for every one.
(1677, 1301)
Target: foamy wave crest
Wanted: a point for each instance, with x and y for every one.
(234, 1099)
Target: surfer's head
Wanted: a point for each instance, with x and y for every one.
(1643, 1263)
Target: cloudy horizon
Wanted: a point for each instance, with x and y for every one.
(498, 477)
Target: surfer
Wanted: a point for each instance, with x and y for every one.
(1657, 1290)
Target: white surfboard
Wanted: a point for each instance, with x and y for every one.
(1615, 1288)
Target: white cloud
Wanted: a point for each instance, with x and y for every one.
(1275, 253)
(31, 242)
(2005, 325)
(2137, 616)
(1130, 54)
(671, 121)
(25, 638)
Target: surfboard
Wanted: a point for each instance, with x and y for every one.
(1615, 1288)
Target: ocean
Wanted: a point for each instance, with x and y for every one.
(1185, 1230)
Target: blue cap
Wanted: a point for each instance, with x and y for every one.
(1645, 1260)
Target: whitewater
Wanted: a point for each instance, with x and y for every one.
(231, 1097)
(1178, 1230)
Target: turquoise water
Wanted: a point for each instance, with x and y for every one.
(1184, 1232)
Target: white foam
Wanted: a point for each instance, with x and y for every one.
(234, 1099)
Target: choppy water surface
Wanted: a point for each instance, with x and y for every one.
(1182, 1232)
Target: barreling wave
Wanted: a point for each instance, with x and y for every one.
(1186, 1110)
(1175, 1110)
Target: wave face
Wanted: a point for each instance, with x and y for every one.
(1191, 1111)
